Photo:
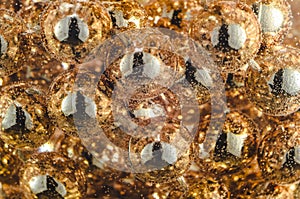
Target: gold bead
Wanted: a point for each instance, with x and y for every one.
(50, 175)
(71, 29)
(230, 31)
(273, 81)
(24, 119)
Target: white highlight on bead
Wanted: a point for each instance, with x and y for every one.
(61, 29)
(169, 153)
(126, 64)
(202, 153)
(202, 76)
(235, 143)
(4, 45)
(271, 19)
(152, 112)
(10, 118)
(297, 154)
(214, 37)
(253, 64)
(151, 67)
(290, 81)
(38, 184)
(68, 105)
(166, 14)
(237, 36)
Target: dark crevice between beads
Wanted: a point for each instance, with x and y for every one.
(176, 20)
(223, 44)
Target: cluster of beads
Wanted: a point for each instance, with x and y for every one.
(126, 99)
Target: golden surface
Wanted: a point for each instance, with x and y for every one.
(35, 57)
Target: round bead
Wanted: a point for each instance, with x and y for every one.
(273, 81)
(11, 27)
(161, 159)
(230, 31)
(125, 15)
(234, 148)
(278, 154)
(50, 175)
(23, 116)
(72, 29)
(174, 14)
(69, 106)
(275, 20)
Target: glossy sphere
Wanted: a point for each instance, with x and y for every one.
(50, 175)
(161, 159)
(72, 29)
(125, 14)
(230, 31)
(174, 14)
(24, 119)
(11, 57)
(273, 81)
(234, 148)
(70, 102)
(275, 20)
(278, 155)
(150, 105)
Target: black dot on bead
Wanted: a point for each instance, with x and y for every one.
(176, 20)
(221, 147)
(277, 83)
(113, 18)
(156, 146)
(51, 184)
(80, 107)
(17, 5)
(255, 8)
(223, 44)
(156, 161)
(73, 32)
(20, 119)
(1, 53)
(290, 162)
(138, 63)
(51, 190)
